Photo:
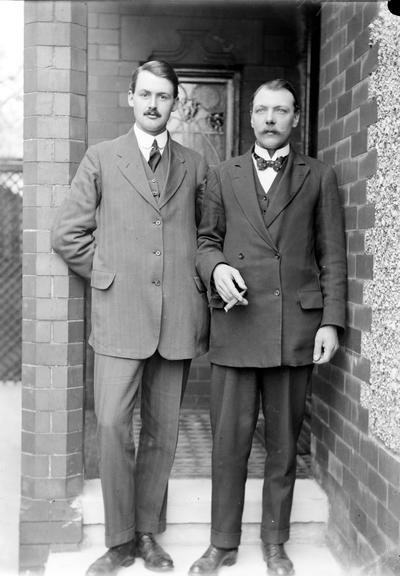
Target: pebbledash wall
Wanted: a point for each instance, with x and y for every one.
(356, 416)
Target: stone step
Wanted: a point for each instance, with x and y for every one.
(188, 532)
(189, 502)
(307, 549)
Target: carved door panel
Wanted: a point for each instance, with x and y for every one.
(205, 119)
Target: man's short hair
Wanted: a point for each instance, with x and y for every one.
(278, 84)
(158, 68)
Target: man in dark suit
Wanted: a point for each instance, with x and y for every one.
(129, 227)
(272, 253)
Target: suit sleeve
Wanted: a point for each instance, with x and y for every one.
(73, 232)
(331, 251)
(211, 233)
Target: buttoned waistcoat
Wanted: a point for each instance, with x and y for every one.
(293, 261)
(137, 252)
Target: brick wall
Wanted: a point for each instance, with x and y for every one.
(53, 324)
(360, 475)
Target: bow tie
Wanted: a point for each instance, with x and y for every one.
(263, 164)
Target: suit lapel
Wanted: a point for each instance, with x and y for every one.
(176, 173)
(242, 176)
(291, 183)
(130, 162)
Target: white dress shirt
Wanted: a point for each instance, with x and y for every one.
(268, 175)
(145, 141)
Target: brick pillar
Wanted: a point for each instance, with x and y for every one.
(53, 301)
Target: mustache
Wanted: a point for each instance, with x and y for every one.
(152, 112)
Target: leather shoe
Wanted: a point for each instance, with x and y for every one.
(212, 559)
(278, 562)
(114, 558)
(155, 558)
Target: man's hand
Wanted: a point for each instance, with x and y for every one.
(325, 345)
(225, 278)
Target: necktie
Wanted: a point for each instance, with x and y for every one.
(155, 156)
(263, 164)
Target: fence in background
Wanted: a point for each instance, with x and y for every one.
(10, 269)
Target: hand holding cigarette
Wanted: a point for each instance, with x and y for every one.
(230, 286)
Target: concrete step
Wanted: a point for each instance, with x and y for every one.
(188, 532)
(307, 549)
(189, 502)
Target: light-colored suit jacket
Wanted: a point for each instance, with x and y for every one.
(293, 261)
(139, 254)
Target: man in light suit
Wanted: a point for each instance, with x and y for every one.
(129, 227)
(272, 253)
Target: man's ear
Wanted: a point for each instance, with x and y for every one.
(296, 119)
(130, 98)
(176, 104)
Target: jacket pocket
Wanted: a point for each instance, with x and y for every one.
(310, 299)
(199, 284)
(101, 279)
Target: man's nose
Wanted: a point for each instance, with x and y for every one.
(269, 117)
(153, 101)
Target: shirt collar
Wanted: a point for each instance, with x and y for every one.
(145, 140)
(284, 151)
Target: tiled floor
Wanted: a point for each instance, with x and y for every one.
(193, 455)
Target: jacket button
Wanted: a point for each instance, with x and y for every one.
(156, 282)
(277, 293)
(240, 256)
(157, 222)
(277, 256)
(157, 252)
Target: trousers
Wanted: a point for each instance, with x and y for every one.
(135, 486)
(236, 395)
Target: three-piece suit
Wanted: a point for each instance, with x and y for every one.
(132, 234)
(289, 248)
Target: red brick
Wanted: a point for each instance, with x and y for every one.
(358, 192)
(350, 213)
(368, 113)
(336, 422)
(359, 467)
(369, 61)
(351, 123)
(359, 142)
(368, 164)
(353, 75)
(344, 104)
(343, 452)
(389, 467)
(362, 43)
(360, 418)
(343, 150)
(369, 451)
(33, 556)
(34, 510)
(35, 421)
(346, 58)
(63, 467)
(366, 217)
(351, 436)
(352, 340)
(361, 368)
(58, 443)
(364, 266)
(388, 523)
(358, 518)
(69, 421)
(354, 26)
(35, 466)
(329, 156)
(352, 387)
(394, 500)
(366, 501)
(363, 318)
(356, 243)
(349, 171)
